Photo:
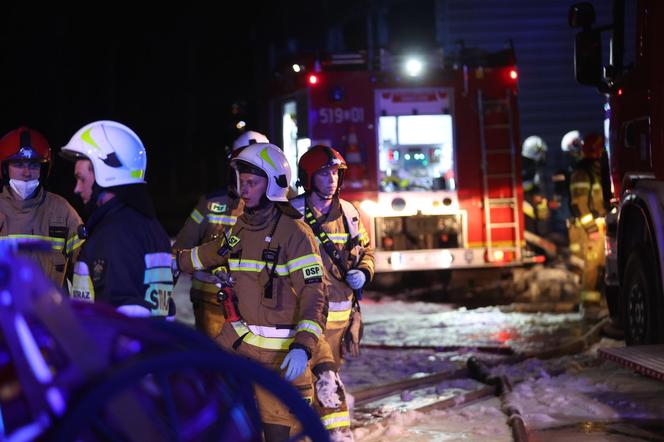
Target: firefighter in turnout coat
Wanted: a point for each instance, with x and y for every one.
(27, 211)
(279, 290)
(211, 219)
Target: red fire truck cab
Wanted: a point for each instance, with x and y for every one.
(431, 151)
(634, 109)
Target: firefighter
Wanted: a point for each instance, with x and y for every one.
(344, 246)
(278, 282)
(28, 211)
(587, 228)
(343, 242)
(570, 145)
(126, 259)
(535, 203)
(213, 216)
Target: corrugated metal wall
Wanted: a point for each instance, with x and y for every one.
(550, 101)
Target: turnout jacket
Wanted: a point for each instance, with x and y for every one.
(344, 228)
(46, 217)
(126, 260)
(213, 215)
(277, 272)
(212, 218)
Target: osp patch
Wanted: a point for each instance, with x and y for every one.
(312, 273)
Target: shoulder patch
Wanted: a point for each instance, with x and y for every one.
(215, 207)
(98, 270)
(233, 240)
(312, 273)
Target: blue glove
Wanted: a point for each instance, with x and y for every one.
(355, 279)
(296, 360)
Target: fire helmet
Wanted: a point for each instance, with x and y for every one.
(24, 144)
(534, 148)
(269, 159)
(572, 142)
(117, 154)
(316, 158)
(249, 137)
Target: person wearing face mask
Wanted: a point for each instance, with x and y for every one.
(28, 211)
(126, 259)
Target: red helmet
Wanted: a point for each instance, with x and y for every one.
(316, 158)
(24, 144)
(593, 145)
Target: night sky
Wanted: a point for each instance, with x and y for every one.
(179, 77)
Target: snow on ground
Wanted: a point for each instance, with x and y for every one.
(569, 398)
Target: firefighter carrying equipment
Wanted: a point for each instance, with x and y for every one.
(299, 283)
(343, 227)
(117, 154)
(211, 219)
(121, 266)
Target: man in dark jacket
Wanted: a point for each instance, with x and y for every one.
(126, 260)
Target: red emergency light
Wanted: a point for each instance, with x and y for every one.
(514, 74)
(312, 79)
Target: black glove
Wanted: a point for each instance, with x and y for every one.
(353, 334)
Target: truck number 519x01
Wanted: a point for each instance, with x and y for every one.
(336, 115)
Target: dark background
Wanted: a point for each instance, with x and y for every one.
(182, 76)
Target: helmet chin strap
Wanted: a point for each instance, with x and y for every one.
(323, 196)
(91, 205)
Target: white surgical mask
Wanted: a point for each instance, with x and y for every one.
(24, 188)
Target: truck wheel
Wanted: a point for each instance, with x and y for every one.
(639, 298)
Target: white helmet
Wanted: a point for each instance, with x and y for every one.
(534, 148)
(249, 137)
(271, 160)
(572, 142)
(117, 154)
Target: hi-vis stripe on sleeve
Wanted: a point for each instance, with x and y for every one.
(303, 261)
(73, 243)
(220, 219)
(309, 326)
(82, 288)
(159, 279)
(196, 216)
(195, 260)
(56, 244)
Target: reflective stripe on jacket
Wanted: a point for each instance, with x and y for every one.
(45, 217)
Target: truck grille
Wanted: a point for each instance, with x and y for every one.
(418, 232)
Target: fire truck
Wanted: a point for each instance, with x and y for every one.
(431, 146)
(634, 141)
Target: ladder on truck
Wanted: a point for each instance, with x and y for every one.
(502, 212)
